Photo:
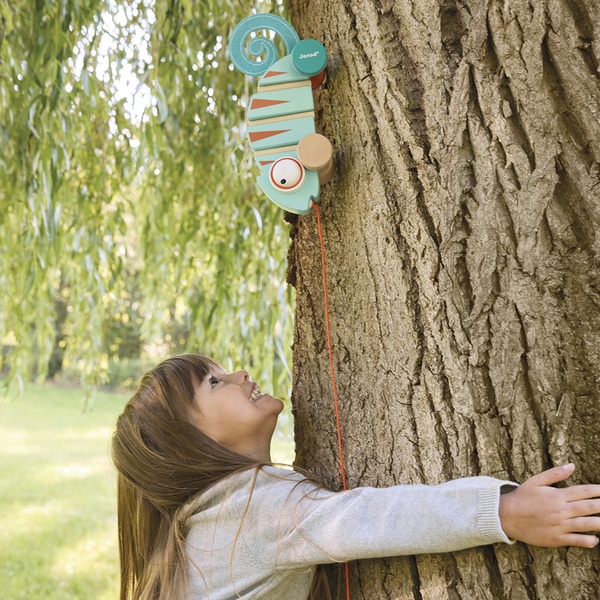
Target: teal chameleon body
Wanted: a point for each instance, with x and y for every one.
(293, 159)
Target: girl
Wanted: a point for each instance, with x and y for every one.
(202, 513)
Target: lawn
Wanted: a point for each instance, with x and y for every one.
(57, 495)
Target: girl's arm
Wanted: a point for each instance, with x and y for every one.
(541, 515)
(317, 526)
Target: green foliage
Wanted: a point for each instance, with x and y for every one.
(127, 193)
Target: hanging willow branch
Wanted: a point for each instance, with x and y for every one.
(126, 191)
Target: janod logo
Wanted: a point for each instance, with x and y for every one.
(312, 55)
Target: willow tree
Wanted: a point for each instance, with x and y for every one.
(463, 266)
(125, 189)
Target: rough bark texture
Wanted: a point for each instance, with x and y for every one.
(462, 253)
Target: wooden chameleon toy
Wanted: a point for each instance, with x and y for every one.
(293, 159)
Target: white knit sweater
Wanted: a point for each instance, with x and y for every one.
(262, 537)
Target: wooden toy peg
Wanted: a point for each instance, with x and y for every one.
(315, 152)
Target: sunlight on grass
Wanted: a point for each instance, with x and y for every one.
(32, 518)
(57, 495)
(95, 554)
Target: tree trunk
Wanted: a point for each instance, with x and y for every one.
(463, 267)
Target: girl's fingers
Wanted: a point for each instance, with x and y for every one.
(581, 508)
(583, 524)
(552, 476)
(583, 492)
(572, 493)
(579, 539)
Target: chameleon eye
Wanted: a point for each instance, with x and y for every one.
(287, 174)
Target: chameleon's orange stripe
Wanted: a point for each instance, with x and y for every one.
(255, 136)
(263, 103)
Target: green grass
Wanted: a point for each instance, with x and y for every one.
(57, 495)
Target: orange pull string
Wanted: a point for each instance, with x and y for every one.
(336, 400)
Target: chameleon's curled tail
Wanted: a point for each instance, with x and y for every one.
(259, 46)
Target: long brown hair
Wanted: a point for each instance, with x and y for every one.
(162, 462)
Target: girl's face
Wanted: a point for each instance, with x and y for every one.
(231, 410)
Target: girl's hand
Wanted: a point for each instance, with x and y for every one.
(538, 514)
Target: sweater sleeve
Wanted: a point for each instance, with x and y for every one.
(317, 526)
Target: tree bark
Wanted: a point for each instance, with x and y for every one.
(463, 267)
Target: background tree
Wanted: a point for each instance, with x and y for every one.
(126, 198)
(463, 265)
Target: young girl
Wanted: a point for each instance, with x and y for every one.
(202, 513)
